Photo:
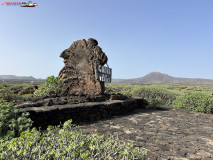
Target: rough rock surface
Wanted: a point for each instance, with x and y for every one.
(167, 134)
(55, 110)
(79, 72)
(55, 100)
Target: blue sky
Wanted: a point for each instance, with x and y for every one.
(139, 36)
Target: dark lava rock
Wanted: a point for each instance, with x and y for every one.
(79, 72)
(118, 97)
(50, 102)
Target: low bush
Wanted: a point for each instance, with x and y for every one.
(68, 142)
(52, 84)
(12, 122)
(155, 103)
(8, 95)
(194, 100)
(154, 94)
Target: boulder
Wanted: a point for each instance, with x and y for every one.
(79, 73)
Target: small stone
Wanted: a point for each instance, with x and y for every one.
(204, 154)
(50, 102)
(181, 153)
(118, 133)
(118, 97)
(194, 157)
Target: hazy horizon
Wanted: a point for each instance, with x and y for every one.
(114, 77)
(171, 37)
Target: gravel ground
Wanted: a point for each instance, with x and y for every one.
(167, 133)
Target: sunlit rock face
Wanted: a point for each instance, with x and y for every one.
(79, 72)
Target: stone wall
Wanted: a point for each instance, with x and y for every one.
(82, 112)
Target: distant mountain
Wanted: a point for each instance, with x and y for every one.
(157, 77)
(6, 77)
(12, 79)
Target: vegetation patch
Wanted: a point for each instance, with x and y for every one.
(8, 95)
(68, 142)
(150, 92)
(155, 95)
(196, 101)
(197, 97)
(10, 92)
(12, 122)
(52, 84)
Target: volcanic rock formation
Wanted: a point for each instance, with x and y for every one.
(79, 72)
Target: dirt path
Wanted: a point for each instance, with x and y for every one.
(166, 134)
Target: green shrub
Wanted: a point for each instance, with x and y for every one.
(156, 95)
(155, 102)
(11, 122)
(68, 142)
(150, 93)
(194, 100)
(25, 96)
(52, 84)
(8, 95)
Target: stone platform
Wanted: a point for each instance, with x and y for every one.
(82, 112)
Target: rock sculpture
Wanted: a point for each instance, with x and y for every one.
(79, 73)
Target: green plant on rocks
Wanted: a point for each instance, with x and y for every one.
(52, 84)
(12, 122)
(68, 142)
